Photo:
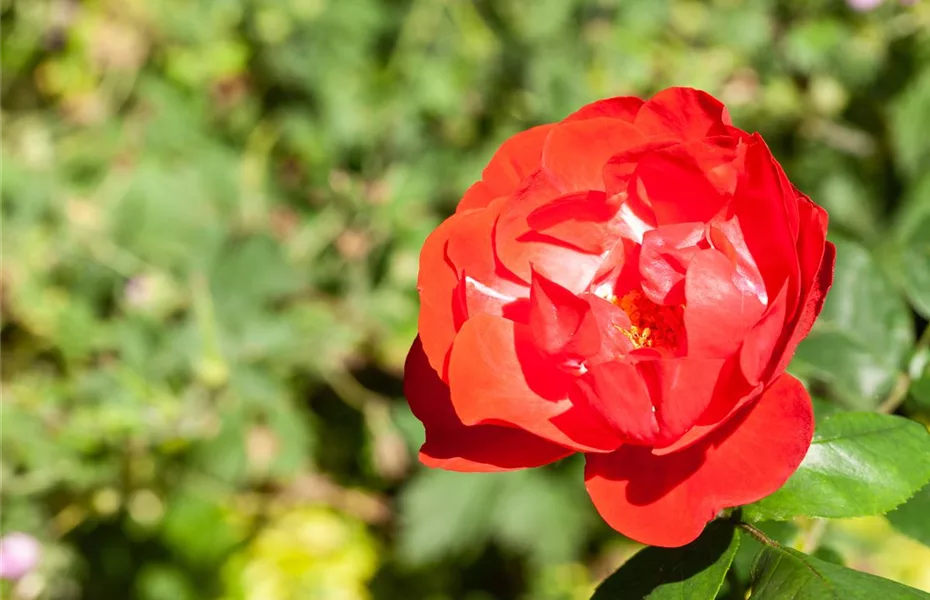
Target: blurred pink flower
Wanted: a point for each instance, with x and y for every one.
(863, 5)
(19, 554)
(138, 290)
(867, 5)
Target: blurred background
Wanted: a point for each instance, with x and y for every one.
(212, 213)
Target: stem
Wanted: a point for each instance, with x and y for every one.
(898, 393)
(811, 539)
(759, 536)
(897, 396)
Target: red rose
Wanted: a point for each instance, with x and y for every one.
(629, 283)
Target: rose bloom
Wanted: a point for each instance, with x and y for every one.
(629, 283)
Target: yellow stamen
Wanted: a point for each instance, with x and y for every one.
(651, 325)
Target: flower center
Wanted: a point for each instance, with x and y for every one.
(651, 325)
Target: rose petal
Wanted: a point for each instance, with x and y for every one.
(731, 394)
(758, 351)
(478, 195)
(718, 314)
(604, 321)
(664, 258)
(823, 280)
(678, 181)
(581, 219)
(437, 282)
(555, 317)
(621, 107)
(487, 286)
(816, 257)
(516, 159)
(726, 237)
(681, 389)
(575, 152)
(667, 500)
(635, 208)
(618, 392)
(760, 209)
(454, 446)
(684, 113)
(521, 249)
(497, 376)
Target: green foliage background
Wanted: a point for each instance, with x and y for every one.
(212, 212)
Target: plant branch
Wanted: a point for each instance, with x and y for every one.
(810, 541)
(758, 535)
(897, 395)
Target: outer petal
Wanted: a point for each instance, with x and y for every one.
(817, 258)
(461, 276)
(621, 107)
(479, 195)
(576, 151)
(514, 161)
(823, 280)
(498, 376)
(522, 249)
(760, 208)
(758, 351)
(487, 287)
(684, 113)
(667, 500)
(454, 446)
(437, 282)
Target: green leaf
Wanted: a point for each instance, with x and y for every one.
(919, 390)
(224, 455)
(692, 572)
(163, 582)
(537, 500)
(783, 532)
(859, 464)
(829, 554)
(444, 513)
(190, 514)
(824, 408)
(913, 517)
(916, 265)
(860, 342)
(907, 246)
(910, 117)
(781, 573)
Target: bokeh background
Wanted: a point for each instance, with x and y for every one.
(212, 212)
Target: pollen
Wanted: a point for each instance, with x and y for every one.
(651, 325)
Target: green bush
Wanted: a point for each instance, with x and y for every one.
(212, 214)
